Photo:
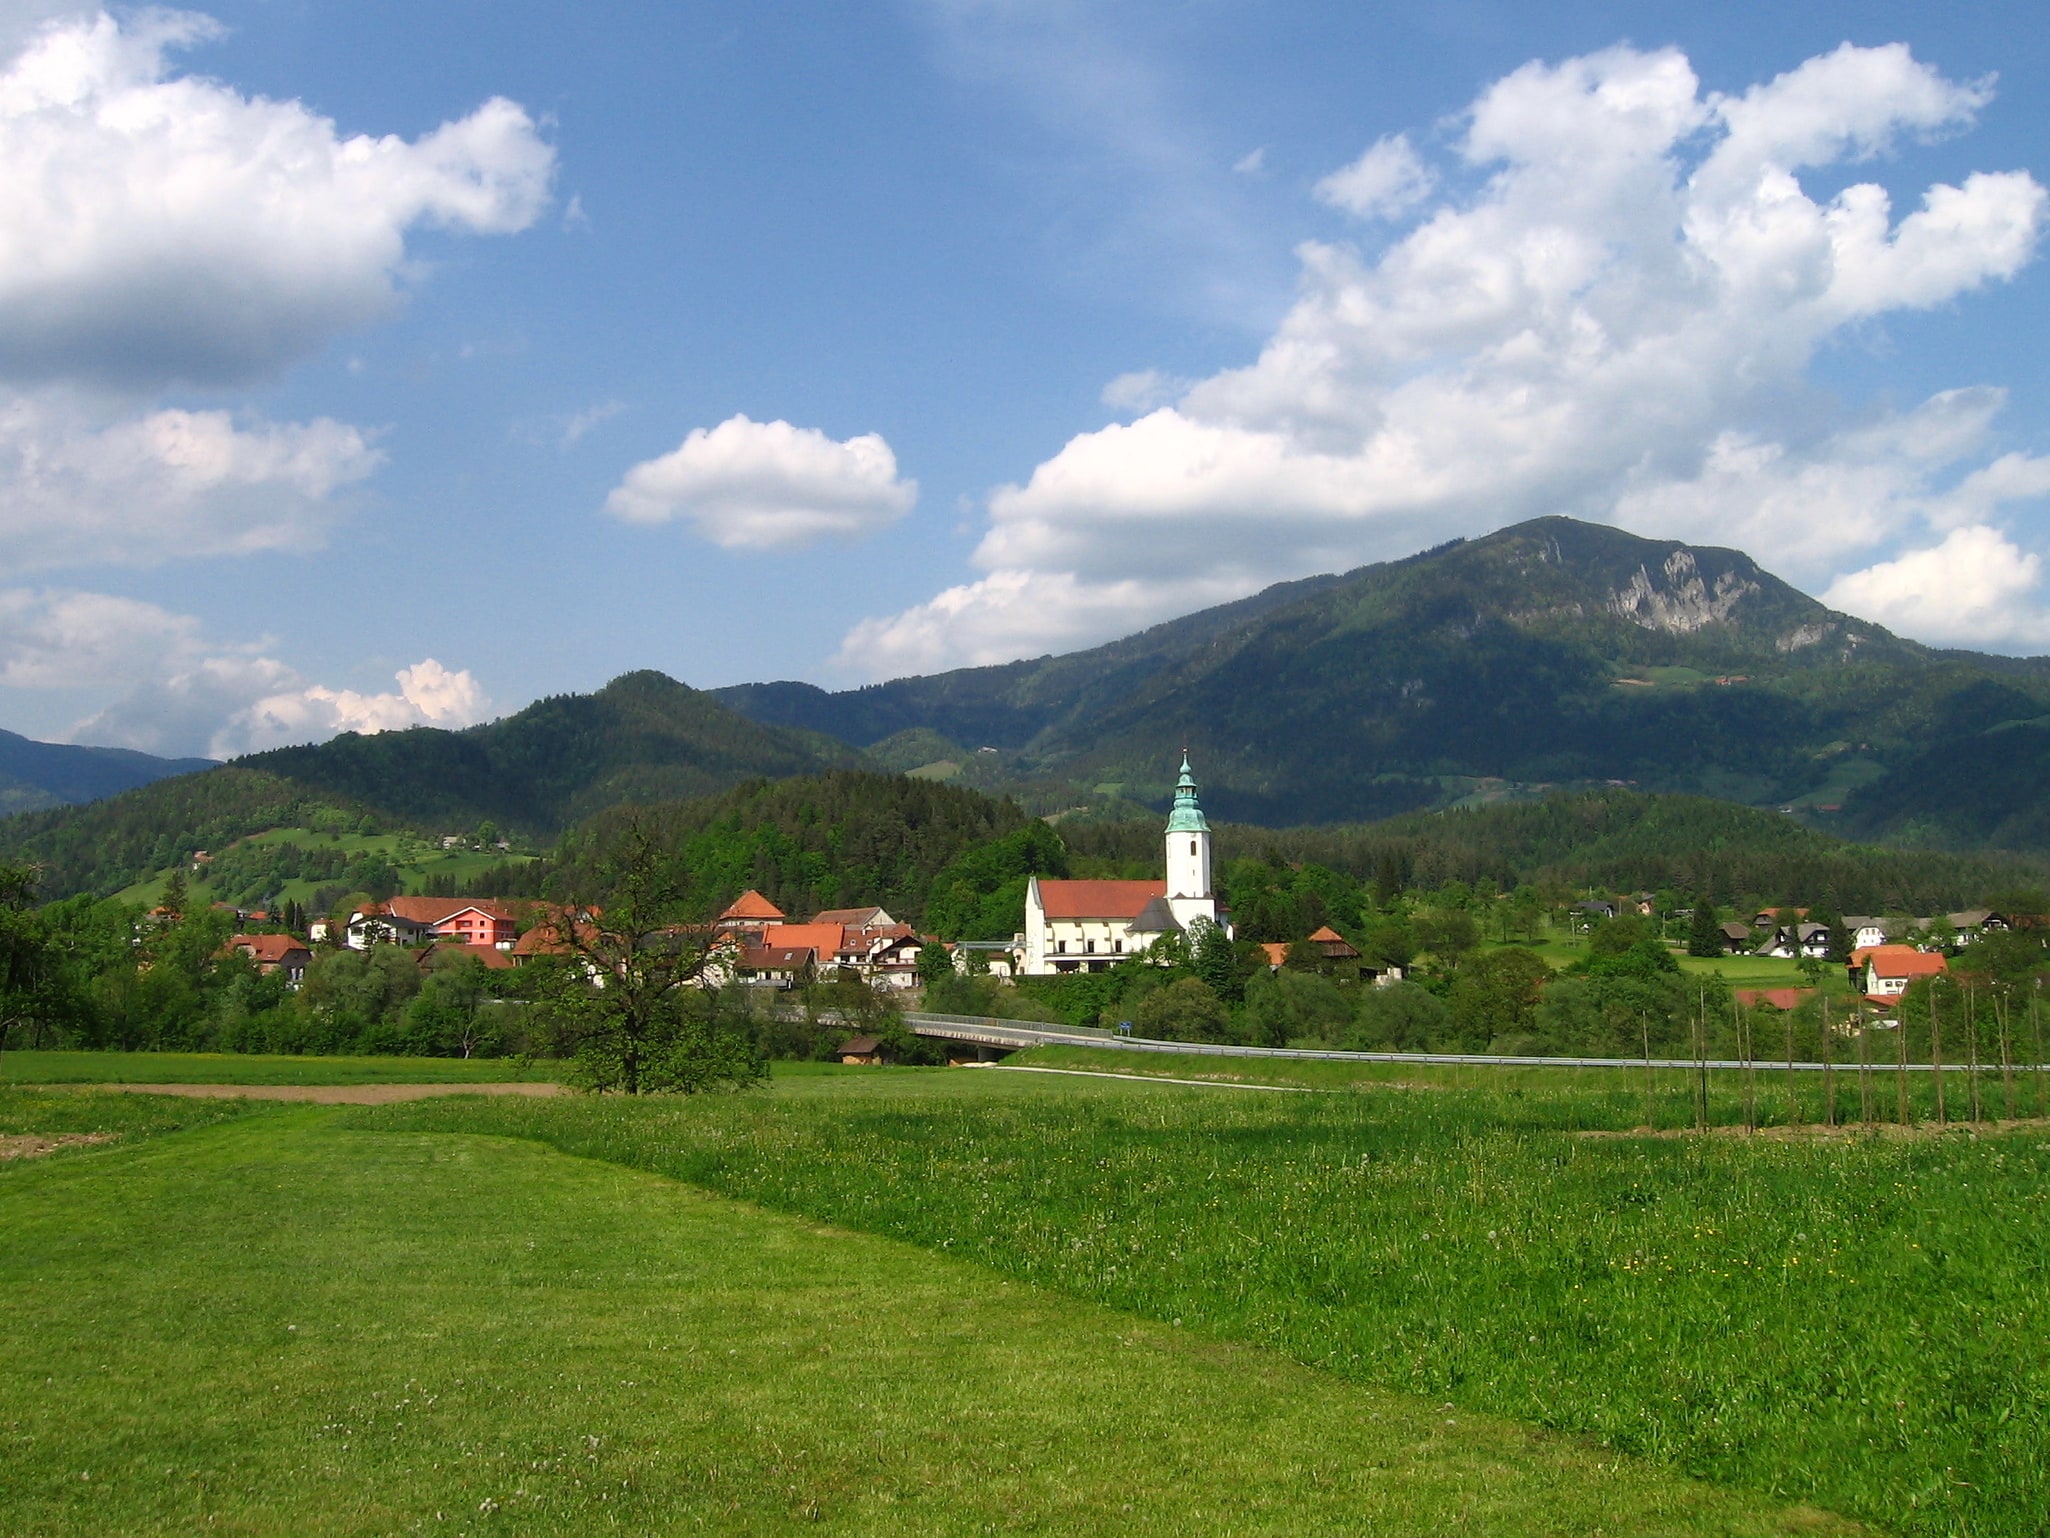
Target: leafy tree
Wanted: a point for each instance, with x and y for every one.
(1187, 1010)
(1398, 1018)
(28, 970)
(629, 1004)
(1447, 933)
(1704, 931)
(935, 963)
(1496, 995)
(173, 900)
(1218, 960)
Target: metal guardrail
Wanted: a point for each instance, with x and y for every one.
(991, 1032)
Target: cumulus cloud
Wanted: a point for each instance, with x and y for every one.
(169, 228)
(165, 485)
(1387, 180)
(185, 694)
(767, 486)
(1615, 322)
(1976, 588)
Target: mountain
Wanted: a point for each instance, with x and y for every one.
(1552, 654)
(35, 775)
(643, 737)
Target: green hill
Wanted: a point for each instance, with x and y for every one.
(1552, 654)
(643, 737)
(37, 775)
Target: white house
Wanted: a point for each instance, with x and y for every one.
(1090, 926)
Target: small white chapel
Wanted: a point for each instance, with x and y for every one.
(1090, 926)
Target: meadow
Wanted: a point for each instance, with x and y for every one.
(274, 1319)
(1856, 1322)
(261, 1068)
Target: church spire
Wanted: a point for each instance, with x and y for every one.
(1187, 816)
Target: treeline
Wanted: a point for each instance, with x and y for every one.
(1612, 841)
(842, 839)
(98, 849)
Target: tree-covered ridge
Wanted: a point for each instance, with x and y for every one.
(1612, 841)
(36, 775)
(100, 848)
(847, 838)
(643, 737)
(1554, 653)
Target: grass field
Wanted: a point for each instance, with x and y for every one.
(1857, 1323)
(257, 1068)
(315, 1322)
(418, 860)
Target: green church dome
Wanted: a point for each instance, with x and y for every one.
(1187, 816)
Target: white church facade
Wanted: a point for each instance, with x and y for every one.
(1090, 926)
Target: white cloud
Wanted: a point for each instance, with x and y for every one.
(768, 486)
(1143, 390)
(578, 423)
(59, 639)
(163, 228)
(1617, 323)
(1976, 588)
(182, 693)
(428, 695)
(166, 485)
(1387, 180)
(1252, 163)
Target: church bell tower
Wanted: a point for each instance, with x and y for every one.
(1188, 854)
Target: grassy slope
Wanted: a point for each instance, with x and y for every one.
(1860, 1324)
(417, 862)
(283, 1326)
(256, 1068)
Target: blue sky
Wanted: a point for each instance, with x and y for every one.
(377, 364)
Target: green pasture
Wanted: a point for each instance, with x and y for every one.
(310, 1321)
(418, 860)
(257, 1068)
(1856, 1322)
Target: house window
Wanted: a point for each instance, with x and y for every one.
(1061, 948)
(1118, 946)
(1091, 947)
(1192, 849)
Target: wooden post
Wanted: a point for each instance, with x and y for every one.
(1936, 1058)
(2036, 1043)
(1793, 1102)
(1651, 1114)
(1864, 1068)
(1742, 1023)
(2002, 1015)
(1828, 1070)
(1972, 1053)
(1900, 1073)
(1701, 1064)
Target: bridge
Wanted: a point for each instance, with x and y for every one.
(990, 1039)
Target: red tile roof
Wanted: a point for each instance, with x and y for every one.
(1901, 961)
(823, 938)
(852, 918)
(267, 948)
(438, 910)
(1098, 899)
(1277, 952)
(751, 907)
(1778, 998)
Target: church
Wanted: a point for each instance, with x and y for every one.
(1090, 926)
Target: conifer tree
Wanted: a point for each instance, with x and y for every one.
(1704, 936)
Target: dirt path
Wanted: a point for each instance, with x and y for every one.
(28, 1145)
(323, 1094)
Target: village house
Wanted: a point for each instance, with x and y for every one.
(410, 920)
(275, 953)
(1089, 926)
(750, 910)
(1888, 969)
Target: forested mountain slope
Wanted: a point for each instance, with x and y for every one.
(643, 737)
(35, 775)
(1552, 653)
